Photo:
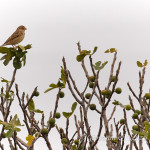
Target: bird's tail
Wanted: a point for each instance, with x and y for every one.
(2, 45)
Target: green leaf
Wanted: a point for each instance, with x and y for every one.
(28, 46)
(8, 126)
(85, 52)
(74, 105)
(11, 99)
(4, 50)
(17, 129)
(10, 133)
(63, 76)
(145, 63)
(97, 65)
(49, 89)
(107, 51)
(67, 114)
(4, 80)
(3, 123)
(142, 134)
(31, 105)
(7, 95)
(53, 85)
(80, 57)
(147, 127)
(134, 132)
(15, 121)
(115, 102)
(11, 91)
(74, 147)
(148, 136)
(38, 111)
(11, 126)
(19, 53)
(21, 47)
(4, 57)
(112, 50)
(103, 65)
(139, 64)
(10, 54)
(6, 61)
(24, 60)
(95, 49)
(59, 84)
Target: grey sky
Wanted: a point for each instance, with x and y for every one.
(55, 26)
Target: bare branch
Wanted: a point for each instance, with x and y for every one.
(112, 113)
(83, 65)
(32, 95)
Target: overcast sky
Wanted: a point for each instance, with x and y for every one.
(55, 26)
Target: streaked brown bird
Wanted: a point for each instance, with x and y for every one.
(16, 37)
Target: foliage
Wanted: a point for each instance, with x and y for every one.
(60, 84)
(68, 114)
(31, 107)
(12, 126)
(18, 55)
(84, 53)
(82, 138)
(30, 138)
(139, 64)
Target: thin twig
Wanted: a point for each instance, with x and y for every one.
(32, 95)
(114, 109)
(83, 65)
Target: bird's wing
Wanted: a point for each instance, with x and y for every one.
(12, 37)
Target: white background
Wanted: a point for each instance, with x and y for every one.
(54, 27)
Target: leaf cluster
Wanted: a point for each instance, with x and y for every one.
(9, 95)
(111, 50)
(145, 133)
(99, 65)
(12, 126)
(18, 55)
(139, 64)
(84, 53)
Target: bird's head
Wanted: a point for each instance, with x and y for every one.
(22, 28)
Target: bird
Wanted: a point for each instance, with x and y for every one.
(16, 37)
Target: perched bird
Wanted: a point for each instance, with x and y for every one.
(16, 37)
